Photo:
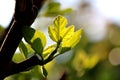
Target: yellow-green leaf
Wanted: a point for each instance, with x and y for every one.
(64, 36)
(49, 50)
(52, 33)
(60, 22)
(64, 49)
(67, 44)
(75, 38)
(68, 33)
(58, 28)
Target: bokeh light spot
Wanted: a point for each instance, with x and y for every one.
(114, 56)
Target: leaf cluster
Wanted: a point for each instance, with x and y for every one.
(65, 39)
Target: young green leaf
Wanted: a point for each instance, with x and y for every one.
(35, 38)
(64, 49)
(44, 71)
(23, 49)
(18, 57)
(49, 50)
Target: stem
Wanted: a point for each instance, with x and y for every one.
(51, 56)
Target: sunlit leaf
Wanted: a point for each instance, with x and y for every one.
(35, 38)
(60, 23)
(52, 34)
(71, 42)
(75, 38)
(64, 36)
(18, 57)
(57, 29)
(49, 50)
(64, 49)
(68, 33)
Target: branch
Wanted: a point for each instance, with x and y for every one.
(25, 13)
(52, 55)
(26, 65)
(10, 43)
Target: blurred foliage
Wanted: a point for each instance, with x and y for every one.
(1, 31)
(88, 61)
(1, 28)
(54, 8)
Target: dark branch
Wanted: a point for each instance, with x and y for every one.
(25, 13)
(13, 68)
(10, 43)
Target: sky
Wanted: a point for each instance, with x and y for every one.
(6, 11)
(108, 8)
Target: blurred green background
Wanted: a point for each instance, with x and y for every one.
(96, 57)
